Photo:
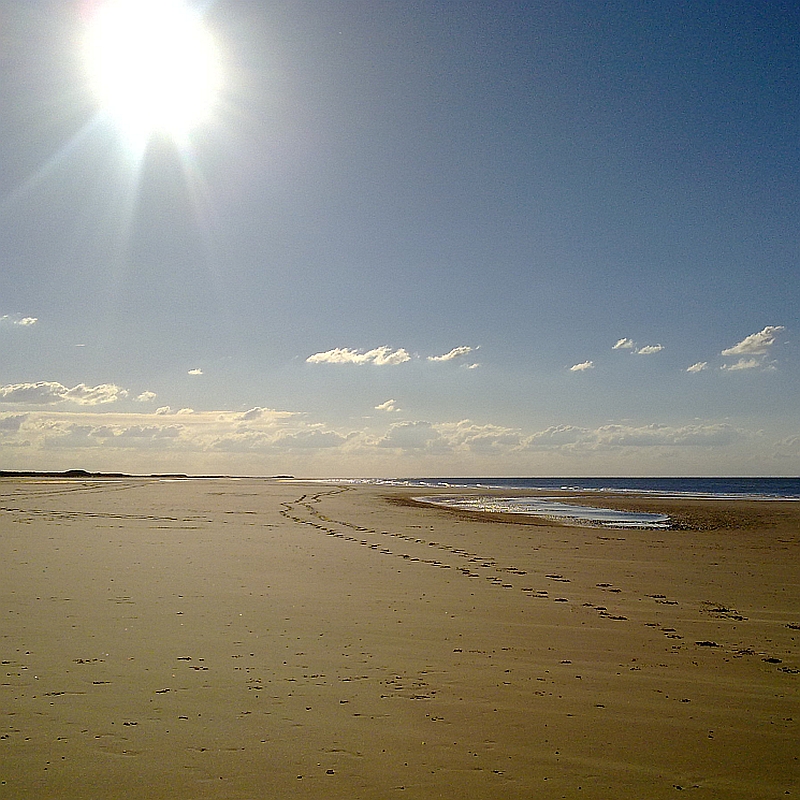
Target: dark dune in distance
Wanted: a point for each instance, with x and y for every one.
(82, 473)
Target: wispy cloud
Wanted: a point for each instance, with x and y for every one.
(195, 371)
(455, 353)
(629, 344)
(50, 392)
(582, 367)
(743, 363)
(146, 397)
(698, 367)
(379, 356)
(389, 405)
(756, 344)
(649, 349)
(623, 344)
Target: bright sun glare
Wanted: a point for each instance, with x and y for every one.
(153, 66)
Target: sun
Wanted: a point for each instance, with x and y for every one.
(153, 66)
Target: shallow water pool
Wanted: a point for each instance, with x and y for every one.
(549, 508)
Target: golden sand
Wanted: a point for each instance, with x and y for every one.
(248, 639)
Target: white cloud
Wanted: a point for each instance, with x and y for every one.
(698, 367)
(623, 344)
(572, 439)
(241, 442)
(309, 439)
(649, 349)
(16, 319)
(302, 437)
(163, 410)
(456, 352)
(146, 397)
(380, 356)
(40, 393)
(742, 363)
(465, 436)
(410, 436)
(479, 438)
(149, 432)
(707, 435)
(49, 392)
(756, 343)
(253, 413)
(95, 395)
(389, 405)
(195, 371)
(582, 367)
(64, 435)
(556, 436)
(266, 415)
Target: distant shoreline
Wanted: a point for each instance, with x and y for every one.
(79, 473)
(82, 473)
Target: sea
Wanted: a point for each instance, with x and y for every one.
(574, 513)
(785, 488)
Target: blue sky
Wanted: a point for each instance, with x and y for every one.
(411, 239)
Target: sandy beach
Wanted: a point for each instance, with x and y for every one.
(244, 639)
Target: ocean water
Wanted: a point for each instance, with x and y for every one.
(788, 488)
(573, 512)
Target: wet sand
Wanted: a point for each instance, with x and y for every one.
(245, 639)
